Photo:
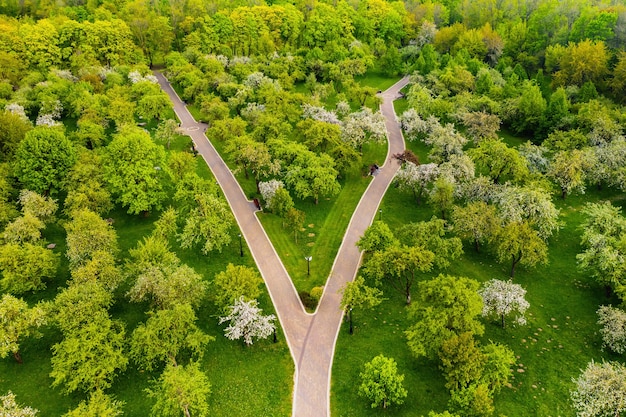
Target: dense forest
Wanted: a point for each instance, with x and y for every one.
(120, 259)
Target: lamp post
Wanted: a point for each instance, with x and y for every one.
(308, 265)
(380, 214)
(240, 246)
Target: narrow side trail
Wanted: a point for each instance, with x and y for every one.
(311, 337)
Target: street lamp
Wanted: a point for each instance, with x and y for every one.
(240, 246)
(308, 264)
(380, 214)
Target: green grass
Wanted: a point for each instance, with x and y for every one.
(262, 373)
(561, 336)
(376, 79)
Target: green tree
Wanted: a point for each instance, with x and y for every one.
(43, 159)
(377, 237)
(477, 221)
(431, 235)
(518, 243)
(356, 294)
(90, 357)
(101, 268)
(166, 131)
(167, 337)
(98, 405)
(13, 129)
(77, 305)
(498, 161)
(24, 229)
(462, 361)
(313, 176)
(381, 383)
(207, 224)
(568, 171)
(444, 307)
(132, 164)
(26, 267)
(181, 389)
(295, 221)
(399, 266)
(442, 195)
(236, 281)
(18, 322)
(88, 233)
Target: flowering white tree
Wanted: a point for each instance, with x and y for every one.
(502, 298)
(361, 126)
(16, 109)
(535, 156)
(319, 114)
(10, 408)
(412, 124)
(247, 322)
(457, 169)
(135, 76)
(445, 141)
(613, 331)
(268, 190)
(600, 390)
(516, 204)
(416, 178)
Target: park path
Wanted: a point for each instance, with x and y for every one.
(311, 337)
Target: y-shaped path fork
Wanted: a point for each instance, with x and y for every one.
(311, 337)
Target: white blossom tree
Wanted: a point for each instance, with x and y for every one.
(600, 390)
(10, 408)
(268, 189)
(363, 126)
(320, 114)
(247, 322)
(533, 204)
(412, 124)
(613, 331)
(415, 178)
(445, 141)
(502, 298)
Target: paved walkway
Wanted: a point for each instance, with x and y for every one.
(311, 337)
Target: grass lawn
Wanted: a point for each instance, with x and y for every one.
(561, 336)
(262, 373)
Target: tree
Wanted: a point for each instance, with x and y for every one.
(166, 131)
(26, 267)
(235, 282)
(207, 224)
(18, 322)
(582, 62)
(518, 243)
(10, 408)
(568, 171)
(39, 206)
(477, 221)
(445, 306)
(295, 221)
(253, 156)
(498, 161)
(462, 361)
(78, 305)
(604, 244)
(416, 178)
(101, 269)
(85, 185)
(168, 285)
(502, 298)
(132, 164)
(88, 358)
(377, 237)
(531, 203)
(381, 383)
(600, 390)
(399, 266)
(88, 233)
(431, 236)
(165, 336)
(13, 128)
(613, 331)
(356, 294)
(43, 159)
(24, 230)
(442, 195)
(481, 126)
(526, 114)
(246, 322)
(312, 176)
(98, 405)
(181, 388)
